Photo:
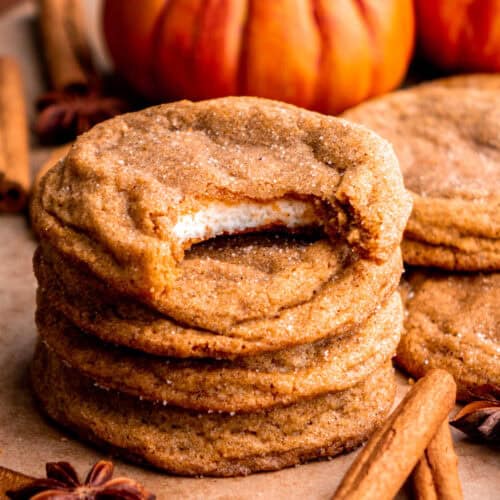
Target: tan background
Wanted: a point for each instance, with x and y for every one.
(27, 441)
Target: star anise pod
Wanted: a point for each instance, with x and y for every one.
(64, 114)
(479, 420)
(63, 483)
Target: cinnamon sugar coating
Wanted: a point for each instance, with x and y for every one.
(188, 443)
(113, 202)
(228, 280)
(448, 146)
(243, 353)
(97, 309)
(245, 384)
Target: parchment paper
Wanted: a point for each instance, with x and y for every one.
(27, 440)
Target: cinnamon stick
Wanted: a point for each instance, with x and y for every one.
(77, 99)
(67, 53)
(386, 461)
(435, 476)
(14, 162)
(422, 481)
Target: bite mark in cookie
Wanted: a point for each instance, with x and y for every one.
(132, 193)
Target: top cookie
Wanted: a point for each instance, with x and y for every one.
(448, 146)
(138, 190)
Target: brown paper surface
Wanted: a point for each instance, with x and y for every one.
(27, 440)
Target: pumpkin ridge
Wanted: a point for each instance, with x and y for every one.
(322, 53)
(363, 12)
(474, 11)
(241, 72)
(155, 46)
(191, 61)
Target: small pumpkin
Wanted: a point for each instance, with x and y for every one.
(460, 35)
(325, 55)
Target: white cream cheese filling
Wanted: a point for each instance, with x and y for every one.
(217, 218)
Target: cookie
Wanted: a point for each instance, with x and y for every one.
(453, 322)
(94, 307)
(245, 384)
(485, 81)
(448, 146)
(443, 257)
(189, 443)
(228, 280)
(135, 192)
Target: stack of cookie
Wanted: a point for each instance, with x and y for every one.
(446, 138)
(218, 285)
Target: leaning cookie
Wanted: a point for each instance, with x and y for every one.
(189, 443)
(448, 146)
(246, 384)
(137, 191)
(453, 323)
(485, 81)
(95, 308)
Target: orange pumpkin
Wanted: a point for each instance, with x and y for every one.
(460, 34)
(320, 54)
